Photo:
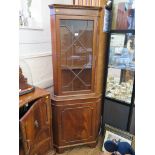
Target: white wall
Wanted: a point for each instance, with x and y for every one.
(35, 48)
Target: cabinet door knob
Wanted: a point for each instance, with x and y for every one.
(36, 123)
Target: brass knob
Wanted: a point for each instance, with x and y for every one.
(36, 123)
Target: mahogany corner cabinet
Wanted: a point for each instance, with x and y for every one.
(76, 104)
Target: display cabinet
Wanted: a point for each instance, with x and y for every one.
(121, 65)
(75, 47)
(119, 94)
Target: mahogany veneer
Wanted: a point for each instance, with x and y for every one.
(35, 123)
(76, 102)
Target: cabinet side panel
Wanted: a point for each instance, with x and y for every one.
(54, 53)
(56, 124)
(98, 117)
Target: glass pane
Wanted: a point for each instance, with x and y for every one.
(122, 51)
(123, 14)
(120, 84)
(121, 67)
(76, 54)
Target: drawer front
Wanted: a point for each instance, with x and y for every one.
(36, 124)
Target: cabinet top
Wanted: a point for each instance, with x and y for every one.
(37, 93)
(77, 10)
(52, 6)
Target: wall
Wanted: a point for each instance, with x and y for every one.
(35, 48)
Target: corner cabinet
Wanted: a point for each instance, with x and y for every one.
(76, 104)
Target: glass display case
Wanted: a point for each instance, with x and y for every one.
(121, 63)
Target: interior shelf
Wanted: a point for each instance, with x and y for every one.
(123, 67)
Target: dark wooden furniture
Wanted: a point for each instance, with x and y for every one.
(35, 123)
(77, 69)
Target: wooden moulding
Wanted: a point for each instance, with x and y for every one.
(76, 97)
(74, 6)
(59, 9)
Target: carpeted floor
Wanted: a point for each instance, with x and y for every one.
(84, 150)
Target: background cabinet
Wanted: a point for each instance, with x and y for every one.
(76, 103)
(119, 94)
(35, 123)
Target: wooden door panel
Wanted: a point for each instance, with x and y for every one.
(77, 123)
(42, 148)
(27, 130)
(35, 125)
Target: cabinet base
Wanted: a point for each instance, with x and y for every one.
(86, 111)
(62, 149)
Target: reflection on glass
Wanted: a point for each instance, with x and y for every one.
(122, 51)
(120, 84)
(76, 54)
(123, 14)
(121, 67)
